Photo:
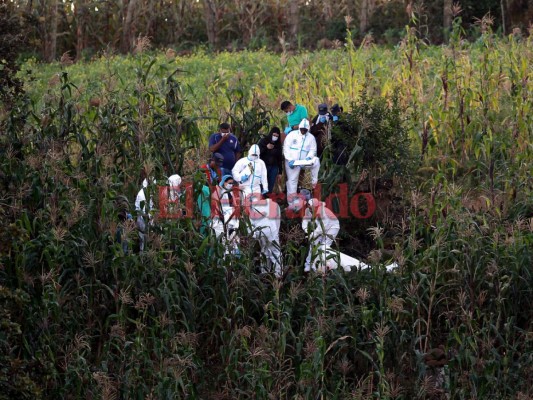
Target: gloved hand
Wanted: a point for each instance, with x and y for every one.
(244, 178)
(309, 158)
(291, 164)
(288, 129)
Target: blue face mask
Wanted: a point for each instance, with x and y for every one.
(322, 119)
(335, 118)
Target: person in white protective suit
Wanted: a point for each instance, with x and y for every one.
(174, 182)
(322, 227)
(143, 209)
(225, 213)
(251, 173)
(299, 150)
(265, 219)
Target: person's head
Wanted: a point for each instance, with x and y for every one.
(275, 133)
(304, 126)
(322, 113)
(336, 109)
(227, 182)
(174, 182)
(216, 161)
(287, 107)
(254, 153)
(225, 128)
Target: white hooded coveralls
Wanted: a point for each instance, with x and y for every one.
(143, 209)
(225, 221)
(265, 218)
(326, 228)
(299, 147)
(254, 171)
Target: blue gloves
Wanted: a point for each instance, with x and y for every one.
(288, 129)
(291, 164)
(308, 158)
(244, 178)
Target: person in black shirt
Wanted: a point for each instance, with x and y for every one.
(321, 128)
(341, 153)
(272, 154)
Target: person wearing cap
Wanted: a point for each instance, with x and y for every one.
(336, 112)
(272, 155)
(212, 169)
(322, 227)
(227, 144)
(251, 173)
(321, 128)
(225, 212)
(300, 148)
(295, 114)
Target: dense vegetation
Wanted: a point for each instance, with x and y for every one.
(83, 28)
(82, 318)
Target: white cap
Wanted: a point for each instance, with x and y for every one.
(174, 180)
(304, 124)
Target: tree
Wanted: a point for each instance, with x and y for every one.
(447, 14)
(366, 10)
(128, 29)
(50, 39)
(212, 17)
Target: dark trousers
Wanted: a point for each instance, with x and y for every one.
(272, 173)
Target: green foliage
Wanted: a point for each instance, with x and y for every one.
(375, 130)
(82, 318)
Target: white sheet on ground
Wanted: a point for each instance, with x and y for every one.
(331, 259)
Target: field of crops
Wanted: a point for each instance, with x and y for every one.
(81, 318)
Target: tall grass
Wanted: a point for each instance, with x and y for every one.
(82, 318)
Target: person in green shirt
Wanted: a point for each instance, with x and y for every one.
(295, 114)
(204, 207)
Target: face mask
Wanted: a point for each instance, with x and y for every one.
(335, 118)
(275, 138)
(253, 157)
(228, 186)
(322, 118)
(289, 113)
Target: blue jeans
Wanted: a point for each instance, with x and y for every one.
(272, 173)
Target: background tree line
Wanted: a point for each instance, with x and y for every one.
(50, 28)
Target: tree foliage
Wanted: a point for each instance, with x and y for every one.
(83, 28)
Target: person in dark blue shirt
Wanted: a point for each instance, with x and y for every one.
(225, 143)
